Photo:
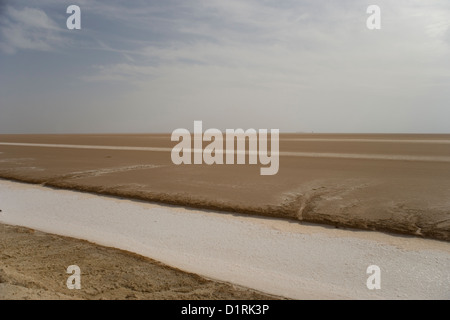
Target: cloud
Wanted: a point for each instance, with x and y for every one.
(296, 65)
(121, 72)
(28, 29)
(303, 59)
(275, 45)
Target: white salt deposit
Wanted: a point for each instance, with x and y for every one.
(274, 256)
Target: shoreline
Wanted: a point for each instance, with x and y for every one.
(224, 210)
(284, 211)
(107, 273)
(336, 180)
(276, 256)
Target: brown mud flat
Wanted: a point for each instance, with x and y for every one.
(399, 193)
(33, 266)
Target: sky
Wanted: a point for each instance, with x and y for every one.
(155, 66)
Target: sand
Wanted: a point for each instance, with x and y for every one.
(396, 183)
(278, 257)
(33, 267)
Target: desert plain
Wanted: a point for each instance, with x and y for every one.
(397, 184)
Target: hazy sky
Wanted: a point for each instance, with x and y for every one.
(154, 66)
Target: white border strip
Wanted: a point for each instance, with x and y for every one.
(281, 153)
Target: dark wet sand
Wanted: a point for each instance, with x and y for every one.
(407, 195)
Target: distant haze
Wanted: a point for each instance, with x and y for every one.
(154, 66)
